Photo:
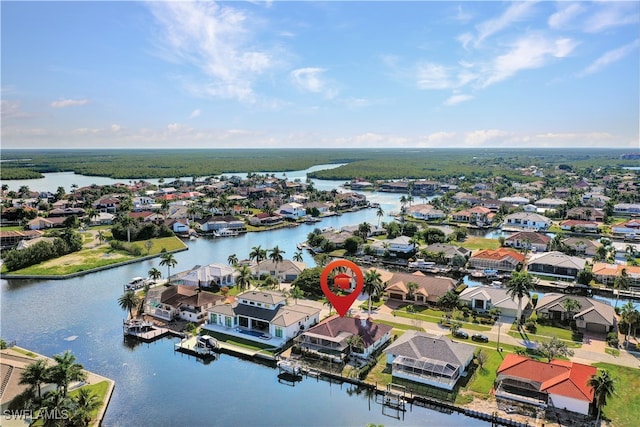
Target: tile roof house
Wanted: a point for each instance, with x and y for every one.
(556, 264)
(449, 251)
(429, 289)
(332, 336)
(581, 246)
(526, 221)
(425, 211)
(484, 298)
(579, 225)
(429, 359)
(287, 270)
(263, 313)
(212, 274)
(501, 259)
(560, 384)
(607, 273)
(535, 242)
(593, 315)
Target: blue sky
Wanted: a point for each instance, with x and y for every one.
(320, 74)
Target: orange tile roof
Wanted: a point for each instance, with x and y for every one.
(557, 377)
(498, 254)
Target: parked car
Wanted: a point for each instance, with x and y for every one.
(461, 334)
(480, 338)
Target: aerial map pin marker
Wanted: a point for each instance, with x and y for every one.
(342, 303)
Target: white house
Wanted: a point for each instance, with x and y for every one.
(292, 210)
(526, 221)
(217, 274)
(263, 315)
(484, 298)
(401, 244)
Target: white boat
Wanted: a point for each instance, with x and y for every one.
(207, 342)
(289, 367)
(136, 283)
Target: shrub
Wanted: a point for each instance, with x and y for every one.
(531, 326)
(612, 339)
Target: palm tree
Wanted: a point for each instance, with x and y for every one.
(170, 261)
(35, 374)
(628, 314)
(622, 282)
(101, 236)
(275, 255)
(258, 254)
(85, 403)
(519, 286)
(128, 301)
(364, 229)
(154, 274)
(297, 256)
(372, 285)
(65, 371)
(244, 277)
(571, 306)
(356, 341)
(232, 260)
(296, 293)
(270, 282)
(603, 388)
(379, 214)
(325, 301)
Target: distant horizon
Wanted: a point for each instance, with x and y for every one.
(321, 74)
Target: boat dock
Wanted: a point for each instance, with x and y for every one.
(146, 331)
(190, 346)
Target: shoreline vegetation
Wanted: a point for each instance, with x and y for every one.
(388, 163)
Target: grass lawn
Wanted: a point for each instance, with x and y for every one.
(12, 228)
(401, 326)
(240, 342)
(94, 257)
(474, 243)
(546, 332)
(99, 389)
(434, 316)
(381, 373)
(483, 378)
(623, 408)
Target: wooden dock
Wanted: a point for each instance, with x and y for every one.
(148, 332)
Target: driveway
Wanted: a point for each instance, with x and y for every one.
(593, 342)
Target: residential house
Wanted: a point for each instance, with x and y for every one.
(179, 226)
(425, 212)
(218, 223)
(180, 302)
(286, 270)
(349, 200)
(515, 200)
(263, 313)
(606, 273)
(476, 215)
(103, 218)
(292, 211)
(579, 225)
(448, 252)
(581, 246)
(266, 219)
(8, 239)
(585, 213)
(24, 244)
(428, 289)
(323, 208)
(484, 298)
(556, 264)
(401, 245)
(334, 336)
(526, 221)
(629, 230)
(108, 204)
(502, 259)
(592, 315)
(66, 212)
(208, 275)
(530, 240)
(626, 209)
(40, 223)
(429, 359)
(557, 384)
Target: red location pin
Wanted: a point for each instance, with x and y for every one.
(342, 303)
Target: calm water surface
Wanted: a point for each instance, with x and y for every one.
(157, 387)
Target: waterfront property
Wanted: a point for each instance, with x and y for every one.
(484, 298)
(429, 359)
(591, 314)
(556, 265)
(526, 221)
(335, 337)
(262, 315)
(501, 259)
(286, 270)
(208, 275)
(606, 273)
(558, 384)
(530, 240)
(180, 302)
(428, 288)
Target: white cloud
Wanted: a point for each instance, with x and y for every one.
(63, 103)
(312, 79)
(116, 128)
(612, 14)
(610, 57)
(195, 113)
(433, 76)
(216, 40)
(518, 11)
(529, 52)
(479, 137)
(563, 17)
(12, 110)
(457, 99)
